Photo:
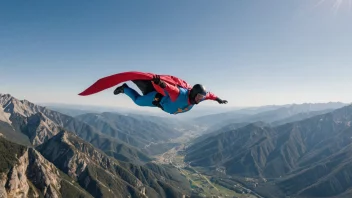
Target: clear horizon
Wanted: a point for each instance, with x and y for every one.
(249, 53)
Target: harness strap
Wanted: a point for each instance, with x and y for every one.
(157, 99)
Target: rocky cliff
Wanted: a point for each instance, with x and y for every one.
(24, 172)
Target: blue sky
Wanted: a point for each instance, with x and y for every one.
(248, 52)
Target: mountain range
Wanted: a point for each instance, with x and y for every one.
(50, 154)
(276, 151)
(306, 158)
(125, 136)
(272, 115)
(267, 114)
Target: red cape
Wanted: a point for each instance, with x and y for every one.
(113, 80)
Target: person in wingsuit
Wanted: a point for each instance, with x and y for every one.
(171, 94)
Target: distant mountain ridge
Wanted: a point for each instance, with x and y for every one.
(136, 132)
(266, 113)
(220, 128)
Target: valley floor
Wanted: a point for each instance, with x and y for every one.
(201, 184)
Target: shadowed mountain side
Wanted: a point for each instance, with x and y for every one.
(309, 157)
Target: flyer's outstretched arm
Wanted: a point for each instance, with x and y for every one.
(212, 96)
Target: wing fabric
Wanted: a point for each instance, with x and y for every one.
(115, 79)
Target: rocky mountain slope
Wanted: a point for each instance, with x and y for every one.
(103, 176)
(304, 158)
(39, 124)
(24, 172)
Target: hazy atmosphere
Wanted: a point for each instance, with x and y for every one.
(250, 53)
(237, 99)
